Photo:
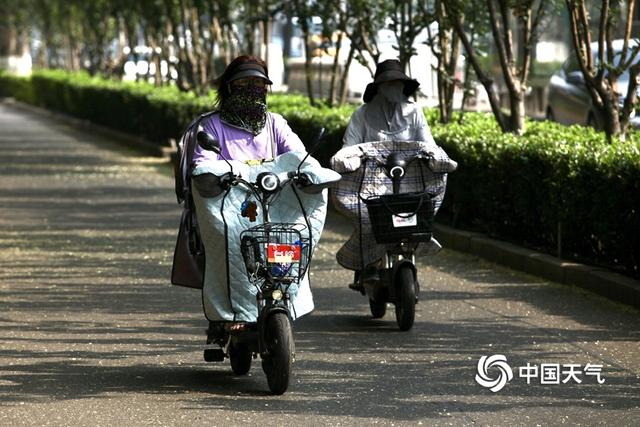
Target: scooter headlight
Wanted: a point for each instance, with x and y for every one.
(268, 182)
(397, 172)
(276, 294)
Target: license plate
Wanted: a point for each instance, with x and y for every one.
(280, 253)
(403, 221)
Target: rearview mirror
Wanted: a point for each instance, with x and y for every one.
(207, 142)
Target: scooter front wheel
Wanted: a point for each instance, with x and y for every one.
(280, 352)
(406, 298)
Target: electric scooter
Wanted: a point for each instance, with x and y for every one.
(276, 257)
(392, 190)
(400, 221)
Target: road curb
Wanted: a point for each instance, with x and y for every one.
(595, 279)
(139, 144)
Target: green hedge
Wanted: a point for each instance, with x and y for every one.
(513, 188)
(20, 88)
(521, 188)
(153, 113)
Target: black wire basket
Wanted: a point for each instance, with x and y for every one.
(401, 217)
(277, 251)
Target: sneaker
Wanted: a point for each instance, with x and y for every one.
(357, 284)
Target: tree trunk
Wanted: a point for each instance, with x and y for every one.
(516, 101)
(486, 81)
(335, 70)
(407, 32)
(6, 36)
(452, 65)
(503, 38)
(184, 82)
(250, 27)
(287, 35)
(611, 115)
(465, 89)
(265, 29)
(370, 46)
(307, 66)
(447, 55)
(601, 78)
(303, 17)
(345, 75)
(439, 47)
(199, 59)
(631, 98)
(222, 44)
(191, 66)
(74, 50)
(156, 59)
(444, 117)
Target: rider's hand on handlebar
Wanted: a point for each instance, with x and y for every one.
(302, 180)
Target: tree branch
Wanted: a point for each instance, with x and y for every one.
(487, 82)
(583, 54)
(627, 31)
(526, 49)
(631, 97)
(506, 30)
(503, 51)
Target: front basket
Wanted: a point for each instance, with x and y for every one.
(398, 217)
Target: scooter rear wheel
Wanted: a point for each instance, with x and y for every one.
(406, 293)
(240, 357)
(280, 346)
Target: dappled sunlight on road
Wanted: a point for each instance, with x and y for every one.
(90, 325)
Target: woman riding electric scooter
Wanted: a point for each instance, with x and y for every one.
(388, 148)
(264, 224)
(242, 295)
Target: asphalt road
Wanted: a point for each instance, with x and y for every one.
(91, 332)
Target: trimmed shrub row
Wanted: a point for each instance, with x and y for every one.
(553, 185)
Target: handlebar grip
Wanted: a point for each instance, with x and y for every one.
(302, 180)
(227, 180)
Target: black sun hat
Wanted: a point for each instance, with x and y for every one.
(243, 66)
(248, 69)
(386, 71)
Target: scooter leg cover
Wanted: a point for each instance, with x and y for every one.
(227, 293)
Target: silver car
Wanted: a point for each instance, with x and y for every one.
(568, 99)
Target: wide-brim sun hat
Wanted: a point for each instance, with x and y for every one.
(387, 71)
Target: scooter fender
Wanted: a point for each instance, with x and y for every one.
(394, 274)
(267, 311)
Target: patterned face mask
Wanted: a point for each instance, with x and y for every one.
(246, 108)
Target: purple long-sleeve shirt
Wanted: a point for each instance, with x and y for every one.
(239, 144)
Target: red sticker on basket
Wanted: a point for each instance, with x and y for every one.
(281, 253)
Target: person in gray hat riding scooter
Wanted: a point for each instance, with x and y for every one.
(388, 113)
